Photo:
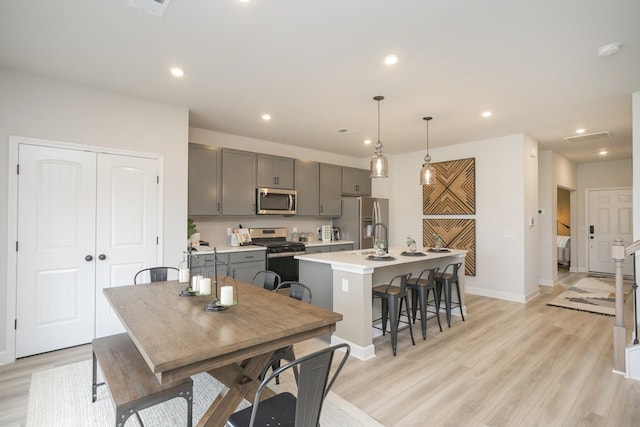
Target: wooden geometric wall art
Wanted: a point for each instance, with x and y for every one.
(454, 192)
(455, 234)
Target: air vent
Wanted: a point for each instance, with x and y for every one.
(152, 7)
(589, 137)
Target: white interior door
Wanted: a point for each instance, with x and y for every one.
(126, 228)
(56, 244)
(610, 216)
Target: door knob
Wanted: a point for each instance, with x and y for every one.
(88, 258)
(102, 257)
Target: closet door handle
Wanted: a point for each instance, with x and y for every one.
(88, 258)
(102, 257)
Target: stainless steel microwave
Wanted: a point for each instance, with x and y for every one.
(275, 201)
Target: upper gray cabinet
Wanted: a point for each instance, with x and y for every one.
(330, 190)
(356, 182)
(307, 179)
(238, 182)
(204, 181)
(275, 172)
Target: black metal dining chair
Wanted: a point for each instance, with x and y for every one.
(267, 279)
(156, 274)
(285, 409)
(301, 292)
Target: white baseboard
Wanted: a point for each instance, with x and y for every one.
(632, 359)
(495, 294)
(357, 351)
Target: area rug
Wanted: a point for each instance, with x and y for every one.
(590, 294)
(61, 397)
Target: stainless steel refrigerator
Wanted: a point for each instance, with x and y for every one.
(359, 214)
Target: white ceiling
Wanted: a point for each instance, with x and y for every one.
(316, 65)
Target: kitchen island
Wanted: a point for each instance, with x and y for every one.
(342, 282)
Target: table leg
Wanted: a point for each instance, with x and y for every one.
(241, 381)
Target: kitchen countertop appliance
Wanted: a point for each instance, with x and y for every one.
(280, 252)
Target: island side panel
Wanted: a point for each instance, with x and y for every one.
(352, 298)
(319, 278)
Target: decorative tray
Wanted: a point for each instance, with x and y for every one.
(405, 253)
(438, 250)
(380, 258)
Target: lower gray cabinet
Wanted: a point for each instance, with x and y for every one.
(244, 265)
(308, 250)
(342, 247)
(204, 265)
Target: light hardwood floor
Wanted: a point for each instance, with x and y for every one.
(509, 364)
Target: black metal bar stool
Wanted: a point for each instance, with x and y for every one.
(444, 281)
(392, 297)
(420, 288)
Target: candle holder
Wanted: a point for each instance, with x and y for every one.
(214, 304)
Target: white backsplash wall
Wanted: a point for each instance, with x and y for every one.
(214, 230)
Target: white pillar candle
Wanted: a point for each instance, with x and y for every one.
(205, 286)
(226, 295)
(183, 276)
(195, 282)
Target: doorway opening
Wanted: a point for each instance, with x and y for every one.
(563, 229)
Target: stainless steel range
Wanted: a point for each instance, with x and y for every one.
(280, 251)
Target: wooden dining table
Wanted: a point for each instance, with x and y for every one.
(178, 338)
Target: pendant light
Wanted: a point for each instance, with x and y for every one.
(428, 172)
(379, 166)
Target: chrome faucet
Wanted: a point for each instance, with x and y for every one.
(386, 235)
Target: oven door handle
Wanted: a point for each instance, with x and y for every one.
(285, 254)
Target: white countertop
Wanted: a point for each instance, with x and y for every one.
(357, 259)
(222, 249)
(206, 250)
(328, 242)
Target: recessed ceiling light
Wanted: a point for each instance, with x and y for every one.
(391, 59)
(603, 152)
(487, 114)
(244, 1)
(608, 49)
(177, 72)
(367, 142)
(266, 117)
(579, 131)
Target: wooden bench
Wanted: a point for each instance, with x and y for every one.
(132, 385)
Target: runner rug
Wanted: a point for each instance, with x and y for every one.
(590, 294)
(61, 397)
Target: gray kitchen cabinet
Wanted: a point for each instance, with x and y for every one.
(243, 265)
(238, 182)
(356, 182)
(342, 247)
(275, 172)
(204, 265)
(307, 180)
(308, 250)
(204, 181)
(330, 190)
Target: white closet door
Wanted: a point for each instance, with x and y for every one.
(126, 228)
(56, 259)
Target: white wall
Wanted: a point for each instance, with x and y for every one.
(505, 198)
(611, 174)
(51, 109)
(635, 111)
